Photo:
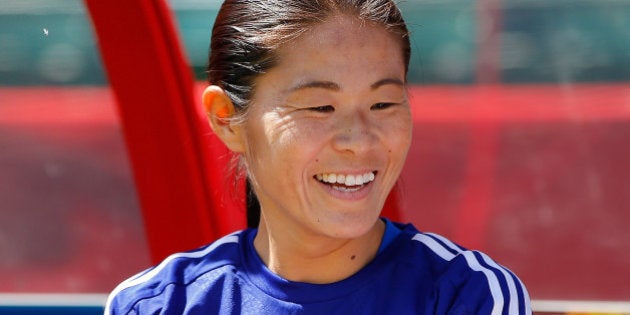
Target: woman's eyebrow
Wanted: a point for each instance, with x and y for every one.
(328, 85)
(387, 81)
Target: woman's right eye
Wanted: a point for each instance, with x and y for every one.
(322, 109)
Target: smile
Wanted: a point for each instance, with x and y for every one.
(346, 182)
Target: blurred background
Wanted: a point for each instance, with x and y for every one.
(521, 147)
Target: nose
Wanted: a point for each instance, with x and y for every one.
(355, 133)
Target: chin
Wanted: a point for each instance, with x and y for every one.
(351, 228)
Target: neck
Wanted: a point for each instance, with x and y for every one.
(315, 259)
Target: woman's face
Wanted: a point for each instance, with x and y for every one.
(328, 130)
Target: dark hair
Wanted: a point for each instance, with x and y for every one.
(247, 33)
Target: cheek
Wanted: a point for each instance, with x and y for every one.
(301, 144)
(266, 134)
(282, 143)
(397, 135)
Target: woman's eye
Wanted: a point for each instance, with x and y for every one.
(323, 109)
(378, 106)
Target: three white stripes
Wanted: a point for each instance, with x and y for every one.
(493, 281)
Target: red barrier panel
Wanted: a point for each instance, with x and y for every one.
(178, 174)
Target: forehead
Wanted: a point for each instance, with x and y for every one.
(343, 50)
(338, 30)
(341, 32)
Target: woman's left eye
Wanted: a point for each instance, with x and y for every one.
(378, 106)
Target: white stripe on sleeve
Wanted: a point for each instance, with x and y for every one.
(434, 246)
(514, 302)
(136, 280)
(493, 282)
(474, 264)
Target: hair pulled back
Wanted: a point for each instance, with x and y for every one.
(247, 33)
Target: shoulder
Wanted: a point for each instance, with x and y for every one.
(466, 281)
(178, 269)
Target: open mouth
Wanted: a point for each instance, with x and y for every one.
(346, 182)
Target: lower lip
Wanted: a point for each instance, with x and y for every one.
(355, 193)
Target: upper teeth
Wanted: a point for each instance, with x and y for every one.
(348, 180)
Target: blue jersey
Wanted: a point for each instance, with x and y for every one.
(416, 273)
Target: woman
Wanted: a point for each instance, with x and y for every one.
(311, 95)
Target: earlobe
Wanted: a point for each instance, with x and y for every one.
(220, 109)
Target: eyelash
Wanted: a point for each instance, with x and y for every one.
(379, 106)
(323, 109)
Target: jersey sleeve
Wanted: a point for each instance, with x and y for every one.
(163, 289)
(475, 284)
(121, 300)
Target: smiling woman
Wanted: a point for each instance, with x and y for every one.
(329, 124)
(311, 97)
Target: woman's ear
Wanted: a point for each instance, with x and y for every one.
(220, 109)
